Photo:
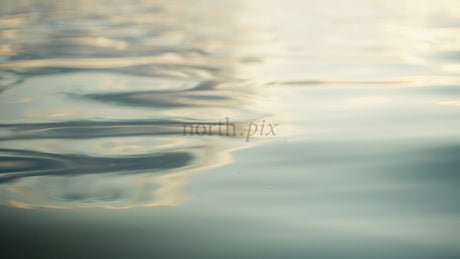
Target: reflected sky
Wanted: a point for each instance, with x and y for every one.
(111, 76)
(94, 96)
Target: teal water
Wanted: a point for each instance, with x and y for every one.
(345, 117)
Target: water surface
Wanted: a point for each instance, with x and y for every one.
(363, 161)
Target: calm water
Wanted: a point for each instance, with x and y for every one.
(356, 152)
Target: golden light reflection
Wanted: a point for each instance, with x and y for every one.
(198, 83)
(166, 189)
(169, 58)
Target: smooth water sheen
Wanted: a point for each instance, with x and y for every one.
(362, 97)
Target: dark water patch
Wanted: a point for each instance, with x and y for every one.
(96, 129)
(43, 164)
(450, 56)
(161, 99)
(69, 48)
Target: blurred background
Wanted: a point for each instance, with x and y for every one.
(364, 162)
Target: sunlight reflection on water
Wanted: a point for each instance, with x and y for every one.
(94, 96)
